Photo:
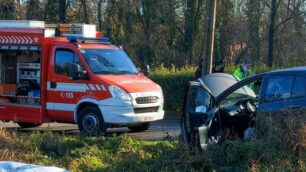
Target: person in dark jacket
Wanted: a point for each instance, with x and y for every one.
(218, 67)
(198, 72)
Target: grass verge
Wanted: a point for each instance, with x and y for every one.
(123, 153)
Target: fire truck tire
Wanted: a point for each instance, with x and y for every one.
(140, 128)
(90, 121)
(27, 125)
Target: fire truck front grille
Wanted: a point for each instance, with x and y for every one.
(146, 100)
(146, 110)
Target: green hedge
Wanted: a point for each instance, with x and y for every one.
(173, 82)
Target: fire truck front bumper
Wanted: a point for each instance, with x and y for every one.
(127, 113)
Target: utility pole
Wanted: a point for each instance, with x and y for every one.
(208, 53)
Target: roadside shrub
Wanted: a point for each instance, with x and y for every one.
(280, 145)
(173, 82)
(283, 135)
(50, 143)
(12, 148)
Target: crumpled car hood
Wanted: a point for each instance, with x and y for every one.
(217, 83)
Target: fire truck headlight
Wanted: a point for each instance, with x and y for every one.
(160, 91)
(117, 92)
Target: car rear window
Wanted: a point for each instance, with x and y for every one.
(299, 89)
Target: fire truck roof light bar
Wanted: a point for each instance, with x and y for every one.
(76, 38)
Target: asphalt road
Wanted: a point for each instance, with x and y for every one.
(159, 130)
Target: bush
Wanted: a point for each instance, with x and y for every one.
(281, 139)
(173, 82)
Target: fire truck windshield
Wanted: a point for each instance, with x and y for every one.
(109, 61)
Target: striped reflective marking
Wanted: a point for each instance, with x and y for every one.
(18, 40)
(98, 87)
(75, 87)
(103, 88)
(87, 87)
(60, 106)
(92, 87)
(61, 86)
(95, 87)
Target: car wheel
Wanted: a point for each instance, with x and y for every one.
(27, 125)
(90, 121)
(140, 128)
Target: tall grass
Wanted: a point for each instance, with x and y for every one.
(280, 146)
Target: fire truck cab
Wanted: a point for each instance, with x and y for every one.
(73, 78)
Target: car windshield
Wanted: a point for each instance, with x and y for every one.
(242, 93)
(109, 61)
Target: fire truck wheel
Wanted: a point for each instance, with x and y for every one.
(90, 121)
(140, 128)
(27, 125)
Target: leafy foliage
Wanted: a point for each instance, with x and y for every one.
(173, 82)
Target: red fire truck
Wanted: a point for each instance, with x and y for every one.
(73, 78)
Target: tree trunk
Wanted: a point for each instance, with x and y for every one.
(253, 14)
(147, 16)
(99, 11)
(87, 16)
(272, 33)
(62, 6)
(189, 29)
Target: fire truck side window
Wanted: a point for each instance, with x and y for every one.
(63, 60)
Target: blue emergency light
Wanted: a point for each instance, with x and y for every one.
(77, 37)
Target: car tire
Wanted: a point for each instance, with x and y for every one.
(140, 128)
(90, 121)
(27, 125)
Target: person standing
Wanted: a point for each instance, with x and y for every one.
(218, 67)
(198, 72)
(243, 72)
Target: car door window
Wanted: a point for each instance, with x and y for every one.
(64, 58)
(278, 88)
(199, 100)
(299, 89)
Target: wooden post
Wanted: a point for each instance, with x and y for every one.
(209, 38)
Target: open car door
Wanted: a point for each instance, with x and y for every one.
(197, 103)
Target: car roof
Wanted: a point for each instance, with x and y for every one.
(299, 69)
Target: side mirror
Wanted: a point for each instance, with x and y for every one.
(77, 72)
(145, 70)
